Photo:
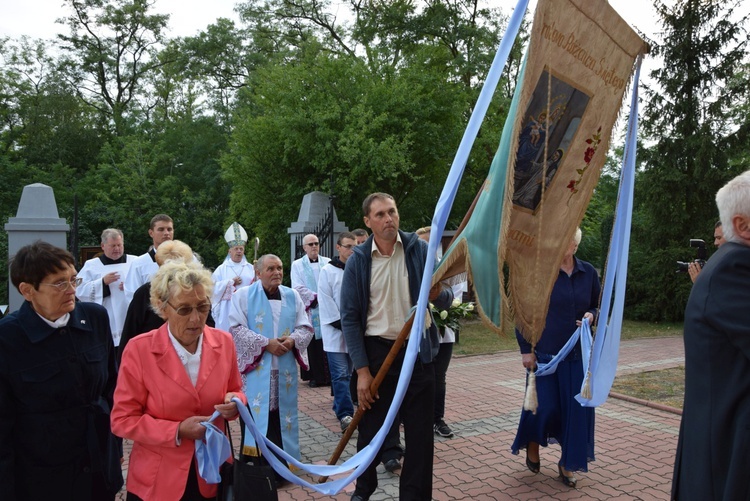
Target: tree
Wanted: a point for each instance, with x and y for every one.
(689, 119)
(739, 141)
(221, 59)
(174, 172)
(42, 121)
(109, 50)
(380, 102)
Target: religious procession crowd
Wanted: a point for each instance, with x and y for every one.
(150, 348)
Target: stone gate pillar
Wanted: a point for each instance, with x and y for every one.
(311, 219)
(36, 219)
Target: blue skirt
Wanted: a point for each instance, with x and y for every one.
(560, 418)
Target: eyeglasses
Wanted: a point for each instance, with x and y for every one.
(184, 311)
(63, 285)
(313, 244)
(347, 246)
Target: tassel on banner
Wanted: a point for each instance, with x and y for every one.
(530, 402)
(586, 390)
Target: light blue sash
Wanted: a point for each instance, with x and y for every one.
(312, 284)
(212, 451)
(260, 320)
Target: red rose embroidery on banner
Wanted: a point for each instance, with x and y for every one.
(593, 143)
(589, 154)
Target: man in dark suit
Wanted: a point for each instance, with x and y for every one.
(713, 452)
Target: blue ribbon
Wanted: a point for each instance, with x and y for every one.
(212, 451)
(601, 359)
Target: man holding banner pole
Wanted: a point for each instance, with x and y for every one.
(380, 285)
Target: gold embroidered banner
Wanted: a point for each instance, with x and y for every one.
(579, 63)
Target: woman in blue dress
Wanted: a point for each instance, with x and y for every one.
(559, 417)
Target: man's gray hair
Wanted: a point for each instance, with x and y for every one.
(262, 260)
(733, 199)
(111, 233)
(577, 236)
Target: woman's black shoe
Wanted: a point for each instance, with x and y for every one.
(569, 481)
(532, 466)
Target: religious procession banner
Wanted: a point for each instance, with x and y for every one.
(579, 62)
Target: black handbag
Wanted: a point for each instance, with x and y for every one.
(247, 478)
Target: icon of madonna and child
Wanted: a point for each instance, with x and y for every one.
(549, 127)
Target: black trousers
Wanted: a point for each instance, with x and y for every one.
(392, 448)
(192, 491)
(416, 414)
(442, 361)
(318, 364)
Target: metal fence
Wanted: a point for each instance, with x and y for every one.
(324, 232)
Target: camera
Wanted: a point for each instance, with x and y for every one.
(700, 255)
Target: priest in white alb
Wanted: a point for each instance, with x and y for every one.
(102, 280)
(234, 273)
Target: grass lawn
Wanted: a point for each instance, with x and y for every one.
(665, 386)
(476, 338)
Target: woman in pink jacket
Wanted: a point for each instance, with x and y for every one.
(170, 380)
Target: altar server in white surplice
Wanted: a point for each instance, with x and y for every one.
(334, 344)
(144, 266)
(234, 273)
(304, 275)
(102, 280)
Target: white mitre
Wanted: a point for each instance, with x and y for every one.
(235, 235)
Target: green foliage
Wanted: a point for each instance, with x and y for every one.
(597, 224)
(177, 175)
(110, 48)
(43, 122)
(378, 104)
(328, 116)
(690, 121)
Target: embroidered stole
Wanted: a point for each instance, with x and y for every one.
(260, 320)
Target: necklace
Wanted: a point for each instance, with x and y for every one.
(238, 276)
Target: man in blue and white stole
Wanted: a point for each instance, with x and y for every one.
(304, 276)
(270, 330)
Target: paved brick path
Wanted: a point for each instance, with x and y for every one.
(635, 444)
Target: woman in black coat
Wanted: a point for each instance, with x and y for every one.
(57, 378)
(141, 317)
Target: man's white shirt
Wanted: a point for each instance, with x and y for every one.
(141, 270)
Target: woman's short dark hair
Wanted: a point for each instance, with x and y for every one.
(32, 263)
